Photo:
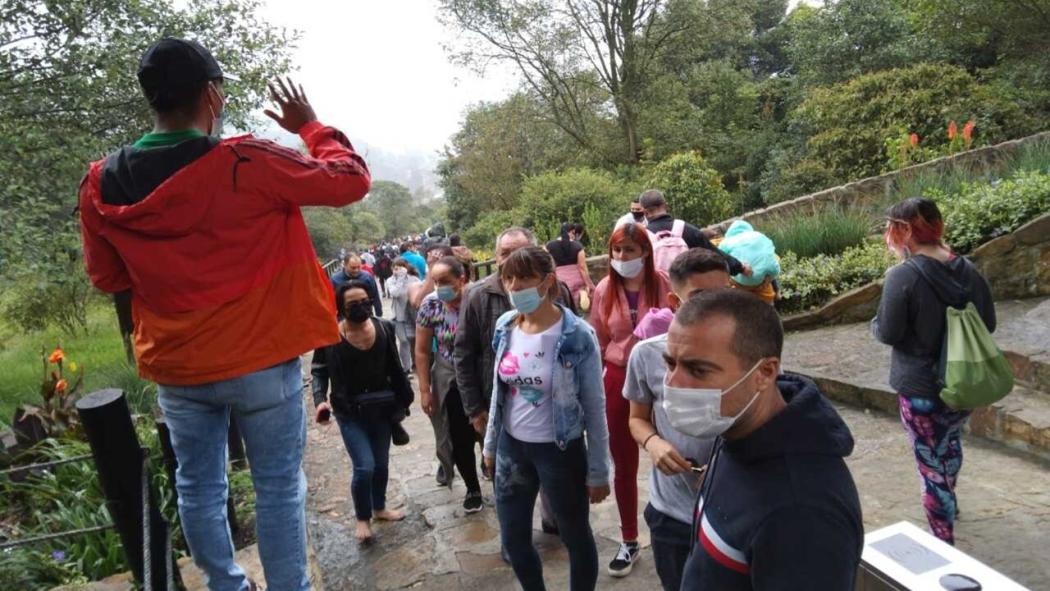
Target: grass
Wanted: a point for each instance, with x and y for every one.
(100, 353)
(827, 232)
(1033, 157)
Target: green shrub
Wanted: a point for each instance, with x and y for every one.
(828, 231)
(809, 282)
(693, 190)
(45, 294)
(847, 124)
(978, 212)
(783, 180)
(550, 198)
(482, 235)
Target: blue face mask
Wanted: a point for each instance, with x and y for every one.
(446, 293)
(526, 301)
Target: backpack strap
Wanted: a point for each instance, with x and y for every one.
(678, 228)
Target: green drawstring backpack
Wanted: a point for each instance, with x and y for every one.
(974, 371)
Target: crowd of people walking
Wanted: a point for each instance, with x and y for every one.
(559, 381)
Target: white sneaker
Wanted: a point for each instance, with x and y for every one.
(623, 564)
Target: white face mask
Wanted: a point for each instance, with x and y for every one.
(628, 269)
(400, 271)
(698, 411)
(217, 121)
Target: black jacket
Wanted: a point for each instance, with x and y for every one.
(778, 509)
(475, 361)
(693, 238)
(352, 372)
(911, 317)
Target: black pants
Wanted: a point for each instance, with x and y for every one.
(521, 468)
(670, 541)
(464, 438)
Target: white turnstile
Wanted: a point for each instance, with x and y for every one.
(902, 557)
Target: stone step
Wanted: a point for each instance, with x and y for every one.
(853, 368)
(1021, 420)
(1024, 336)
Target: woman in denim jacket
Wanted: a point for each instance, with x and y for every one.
(547, 394)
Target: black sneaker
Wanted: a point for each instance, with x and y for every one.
(549, 528)
(473, 503)
(442, 478)
(623, 564)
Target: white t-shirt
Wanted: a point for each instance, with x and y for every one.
(527, 368)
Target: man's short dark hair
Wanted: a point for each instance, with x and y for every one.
(757, 332)
(695, 261)
(350, 256)
(405, 247)
(636, 199)
(652, 198)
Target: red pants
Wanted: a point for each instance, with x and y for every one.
(624, 450)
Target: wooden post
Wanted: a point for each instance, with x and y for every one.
(118, 459)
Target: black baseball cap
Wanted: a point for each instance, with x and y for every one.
(173, 71)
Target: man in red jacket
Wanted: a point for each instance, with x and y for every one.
(226, 292)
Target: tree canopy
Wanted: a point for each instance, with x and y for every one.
(778, 102)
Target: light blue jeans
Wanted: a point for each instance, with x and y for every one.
(268, 406)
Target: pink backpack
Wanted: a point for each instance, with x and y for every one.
(668, 244)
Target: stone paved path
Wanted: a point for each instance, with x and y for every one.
(1005, 499)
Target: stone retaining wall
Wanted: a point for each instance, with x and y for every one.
(874, 189)
(1016, 265)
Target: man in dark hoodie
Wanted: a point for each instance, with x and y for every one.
(778, 508)
(172, 219)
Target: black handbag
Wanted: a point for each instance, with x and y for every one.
(375, 405)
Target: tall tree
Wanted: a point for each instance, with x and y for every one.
(567, 49)
(68, 94)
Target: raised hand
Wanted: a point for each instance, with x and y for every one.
(295, 107)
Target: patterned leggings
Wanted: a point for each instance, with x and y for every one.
(935, 430)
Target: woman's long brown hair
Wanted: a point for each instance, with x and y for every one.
(650, 278)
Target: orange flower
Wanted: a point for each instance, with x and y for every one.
(56, 355)
(60, 387)
(968, 129)
(953, 130)
(914, 139)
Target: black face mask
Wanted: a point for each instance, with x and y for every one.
(638, 215)
(359, 311)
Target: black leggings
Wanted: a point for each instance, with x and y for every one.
(464, 438)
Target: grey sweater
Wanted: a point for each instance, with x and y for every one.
(911, 317)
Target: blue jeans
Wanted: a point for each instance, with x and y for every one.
(268, 406)
(670, 540)
(521, 468)
(368, 442)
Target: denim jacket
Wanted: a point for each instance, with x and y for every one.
(578, 393)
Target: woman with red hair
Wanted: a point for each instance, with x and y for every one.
(621, 300)
(911, 319)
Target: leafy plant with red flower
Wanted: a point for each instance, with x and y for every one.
(57, 415)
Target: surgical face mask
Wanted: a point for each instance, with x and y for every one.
(698, 411)
(526, 300)
(629, 269)
(400, 271)
(217, 121)
(359, 311)
(446, 293)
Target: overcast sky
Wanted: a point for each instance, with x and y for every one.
(376, 70)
